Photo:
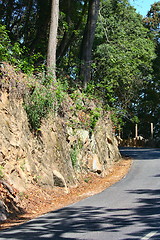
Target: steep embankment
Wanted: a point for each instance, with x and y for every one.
(65, 148)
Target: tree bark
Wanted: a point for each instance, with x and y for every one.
(67, 39)
(52, 43)
(87, 42)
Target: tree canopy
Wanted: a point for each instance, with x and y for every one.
(147, 107)
(123, 52)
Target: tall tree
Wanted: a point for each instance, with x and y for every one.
(148, 106)
(87, 42)
(123, 53)
(52, 43)
(152, 22)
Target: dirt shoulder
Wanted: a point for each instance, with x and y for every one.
(37, 201)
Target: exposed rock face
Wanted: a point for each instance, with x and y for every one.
(26, 157)
(9, 202)
(48, 158)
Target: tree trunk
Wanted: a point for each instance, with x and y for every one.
(68, 39)
(87, 42)
(26, 23)
(52, 43)
(9, 12)
(42, 22)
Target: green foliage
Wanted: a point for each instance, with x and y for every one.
(88, 116)
(43, 97)
(36, 178)
(123, 53)
(38, 104)
(17, 55)
(8, 52)
(134, 119)
(152, 20)
(78, 98)
(61, 88)
(4, 44)
(75, 149)
(26, 62)
(74, 154)
(117, 117)
(1, 172)
(94, 116)
(23, 195)
(146, 106)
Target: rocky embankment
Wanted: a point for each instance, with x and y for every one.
(57, 154)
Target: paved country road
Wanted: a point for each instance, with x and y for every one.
(130, 209)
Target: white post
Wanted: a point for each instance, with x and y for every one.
(151, 130)
(136, 130)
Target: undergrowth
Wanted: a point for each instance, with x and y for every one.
(42, 98)
(1, 172)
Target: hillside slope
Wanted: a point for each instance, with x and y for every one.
(61, 152)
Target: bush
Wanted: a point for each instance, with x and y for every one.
(44, 96)
(5, 44)
(38, 104)
(17, 55)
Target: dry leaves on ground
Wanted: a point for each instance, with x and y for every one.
(37, 200)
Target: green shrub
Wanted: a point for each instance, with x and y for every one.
(1, 172)
(94, 116)
(38, 104)
(44, 96)
(5, 45)
(17, 55)
(73, 155)
(60, 90)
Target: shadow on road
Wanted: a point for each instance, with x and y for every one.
(148, 213)
(68, 220)
(141, 153)
(74, 220)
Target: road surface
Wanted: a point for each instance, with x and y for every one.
(130, 209)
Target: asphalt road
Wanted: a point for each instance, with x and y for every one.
(130, 209)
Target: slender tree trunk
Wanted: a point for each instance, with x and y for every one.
(27, 15)
(43, 20)
(52, 43)
(68, 39)
(62, 45)
(87, 42)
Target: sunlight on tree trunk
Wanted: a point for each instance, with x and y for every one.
(52, 43)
